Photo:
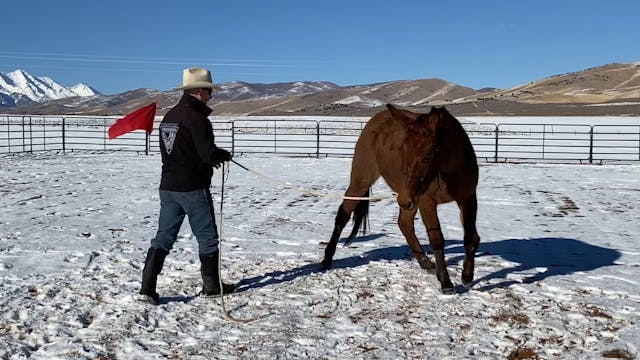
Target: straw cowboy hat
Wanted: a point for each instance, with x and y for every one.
(196, 78)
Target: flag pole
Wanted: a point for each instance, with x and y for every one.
(146, 143)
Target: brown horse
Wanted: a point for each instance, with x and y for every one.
(427, 159)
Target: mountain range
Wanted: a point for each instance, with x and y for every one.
(612, 89)
(19, 88)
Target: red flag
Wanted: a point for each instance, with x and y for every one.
(140, 119)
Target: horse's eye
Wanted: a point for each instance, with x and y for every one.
(422, 179)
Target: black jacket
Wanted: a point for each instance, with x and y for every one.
(187, 146)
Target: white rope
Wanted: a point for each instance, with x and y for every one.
(313, 192)
(225, 172)
(225, 312)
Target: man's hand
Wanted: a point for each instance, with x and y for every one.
(223, 155)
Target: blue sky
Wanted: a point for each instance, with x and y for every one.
(116, 46)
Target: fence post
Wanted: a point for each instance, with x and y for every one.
(30, 134)
(23, 139)
(64, 136)
(544, 136)
(147, 143)
(8, 135)
(44, 133)
(495, 155)
(317, 139)
(591, 144)
(233, 137)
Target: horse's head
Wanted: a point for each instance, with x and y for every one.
(419, 153)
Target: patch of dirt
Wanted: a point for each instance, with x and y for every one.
(566, 205)
(618, 354)
(522, 353)
(569, 206)
(513, 318)
(594, 311)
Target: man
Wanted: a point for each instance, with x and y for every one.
(189, 155)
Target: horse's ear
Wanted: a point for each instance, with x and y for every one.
(431, 120)
(395, 112)
(399, 114)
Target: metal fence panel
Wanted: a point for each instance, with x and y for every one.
(492, 142)
(616, 143)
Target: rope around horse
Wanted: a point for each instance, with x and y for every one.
(312, 192)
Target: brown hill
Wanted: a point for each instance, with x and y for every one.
(612, 89)
(604, 84)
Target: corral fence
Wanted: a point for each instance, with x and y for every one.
(502, 142)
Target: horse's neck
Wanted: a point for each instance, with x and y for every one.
(452, 147)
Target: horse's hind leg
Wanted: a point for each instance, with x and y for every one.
(363, 174)
(405, 222)
(468, 212)
(360, 216)
(343, 216)
(429, 215)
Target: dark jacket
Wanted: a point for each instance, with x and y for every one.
(187, 146)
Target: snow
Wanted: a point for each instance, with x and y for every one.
(83, 90)
(626, 103)
(360, 100)
(441, 92)
(19, 82)
(556, 273)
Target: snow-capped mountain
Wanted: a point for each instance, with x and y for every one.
(19, 87)
(84, 90)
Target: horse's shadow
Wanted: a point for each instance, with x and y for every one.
(541, 258)
(548, 256)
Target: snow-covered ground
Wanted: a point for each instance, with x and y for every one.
(557, 272)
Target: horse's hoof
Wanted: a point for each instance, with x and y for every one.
(467, 281)
(447, 290)
(326, 263)
(446, 286)
(426, 264)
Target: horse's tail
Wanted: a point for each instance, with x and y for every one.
(360, 217)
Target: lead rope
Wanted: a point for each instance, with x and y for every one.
(225, 174)
(312, 192)
(225, 312)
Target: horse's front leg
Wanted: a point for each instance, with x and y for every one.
(468, 212)
(436, 240)
(405, 222)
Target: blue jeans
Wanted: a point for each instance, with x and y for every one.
(198, 206)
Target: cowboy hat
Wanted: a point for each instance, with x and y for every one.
(196, 78)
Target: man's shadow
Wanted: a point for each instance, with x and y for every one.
(554, 256)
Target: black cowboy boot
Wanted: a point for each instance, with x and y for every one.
(209, 270)
(152, 267)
